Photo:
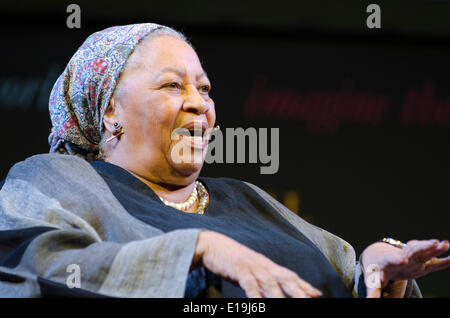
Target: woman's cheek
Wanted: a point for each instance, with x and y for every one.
(211, 116)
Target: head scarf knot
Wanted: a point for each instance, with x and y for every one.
(82, 92)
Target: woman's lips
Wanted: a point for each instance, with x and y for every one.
(196, 136)
(194, 141)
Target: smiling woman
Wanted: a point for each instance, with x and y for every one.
(112, 200)
(165, 89)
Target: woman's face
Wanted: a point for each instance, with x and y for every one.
(163, 88)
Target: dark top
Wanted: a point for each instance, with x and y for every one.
(237, 211)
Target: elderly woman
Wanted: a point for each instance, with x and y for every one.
(111, 211)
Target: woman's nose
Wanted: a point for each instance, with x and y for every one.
(194, 102)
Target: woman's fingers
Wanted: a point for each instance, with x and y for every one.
(437, 264)
(422, 251)
(296, 287)
(416, 250)
(415, 247)
(415, 260)
(257, 275)
(262, 287)
(250, 286)
(264, 284)
(441, 248)
(271, 289)
(311, 291)
(293, 290)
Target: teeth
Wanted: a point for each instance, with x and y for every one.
(194, 138)
(196, 135)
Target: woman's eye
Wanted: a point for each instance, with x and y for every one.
(173, 85)
(205, 88)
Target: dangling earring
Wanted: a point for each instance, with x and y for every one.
(217, 127)
(118, 130)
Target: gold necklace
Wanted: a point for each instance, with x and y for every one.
(198, 191)
(203, 198)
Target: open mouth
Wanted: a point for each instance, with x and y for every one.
(194, 133)
(191, 132)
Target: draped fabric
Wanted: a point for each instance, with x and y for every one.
(82, 223)
(56, 210)
(237, 211)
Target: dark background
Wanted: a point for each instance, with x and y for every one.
(360, 169)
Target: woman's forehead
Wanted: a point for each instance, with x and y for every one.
(165, 55)
(179, 72)
(168, 51)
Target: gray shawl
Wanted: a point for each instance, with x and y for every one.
(118, 255)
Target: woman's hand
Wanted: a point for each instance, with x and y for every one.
(395, 266)
(256, 274)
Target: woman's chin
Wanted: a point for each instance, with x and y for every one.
(187, 169)
(185, 162)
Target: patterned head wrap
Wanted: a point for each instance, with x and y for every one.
(82, 92)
